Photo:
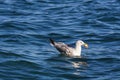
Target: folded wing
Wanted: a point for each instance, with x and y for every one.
(62, 48)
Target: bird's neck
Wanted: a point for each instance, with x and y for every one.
(78, 49)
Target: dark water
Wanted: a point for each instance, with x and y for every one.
(26, 25)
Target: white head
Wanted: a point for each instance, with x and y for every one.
(81, 43)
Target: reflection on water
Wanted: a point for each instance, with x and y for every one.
(78, 64)
(79, 67)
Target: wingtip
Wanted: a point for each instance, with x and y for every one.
(51, 41)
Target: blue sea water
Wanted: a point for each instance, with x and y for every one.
(26, 26)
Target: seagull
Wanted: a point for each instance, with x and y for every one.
(66, 50)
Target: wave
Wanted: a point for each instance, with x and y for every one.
(20, 63)
(8, 54)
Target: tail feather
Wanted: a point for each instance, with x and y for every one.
(52, 41)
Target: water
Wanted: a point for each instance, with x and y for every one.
(26, 25)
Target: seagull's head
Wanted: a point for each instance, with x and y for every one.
(81, 43)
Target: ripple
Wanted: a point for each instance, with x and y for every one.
(109, 19)
(10, 25)
(25, 64)
(26, 26)
(14, 38)
(8, 54)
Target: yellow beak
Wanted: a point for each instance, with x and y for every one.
(86, 45)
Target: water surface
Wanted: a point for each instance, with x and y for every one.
(26, 25)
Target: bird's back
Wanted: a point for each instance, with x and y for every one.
(63, 48)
